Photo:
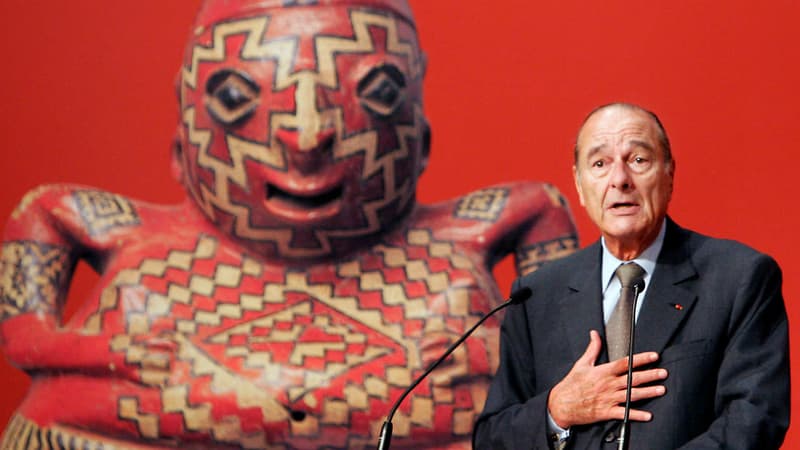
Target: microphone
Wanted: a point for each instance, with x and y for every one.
(638, 286)
(384, 439)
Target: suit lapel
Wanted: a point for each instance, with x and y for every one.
(665, 308)
(667, 304)
(581, 309)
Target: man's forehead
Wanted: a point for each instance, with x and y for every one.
(618, 124)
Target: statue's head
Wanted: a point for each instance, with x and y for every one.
(302, 127)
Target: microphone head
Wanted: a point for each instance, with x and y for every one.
(638, 284)
(520, 295)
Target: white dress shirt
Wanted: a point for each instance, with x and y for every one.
(611, 286)
(611, 289)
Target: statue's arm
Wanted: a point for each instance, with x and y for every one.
(530, 220)
(45, 237)
(547, 230)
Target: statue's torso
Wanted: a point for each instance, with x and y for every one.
(190, 339)
(231, 350)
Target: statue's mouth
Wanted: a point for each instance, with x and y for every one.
(304, 206)
(304, 201)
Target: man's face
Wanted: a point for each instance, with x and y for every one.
(302, 126)
(623, 180)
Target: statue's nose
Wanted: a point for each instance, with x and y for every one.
(307, 153)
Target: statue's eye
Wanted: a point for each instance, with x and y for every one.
(382, 90)
(231, 96)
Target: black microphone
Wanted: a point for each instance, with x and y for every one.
(518, 296)
(638, 286)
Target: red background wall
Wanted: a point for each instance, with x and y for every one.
(86, 95)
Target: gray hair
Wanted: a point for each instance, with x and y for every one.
(663, 140)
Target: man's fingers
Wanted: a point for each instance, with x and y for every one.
(592, 350)
(620, 366)
(636, 415)
(642, 393)
(641, 359)
(648, 376)
(647, 392)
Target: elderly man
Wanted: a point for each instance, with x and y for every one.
(711, 363)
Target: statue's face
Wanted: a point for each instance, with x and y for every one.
(303, 131)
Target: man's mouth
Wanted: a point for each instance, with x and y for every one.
(623, 207)
(304, 206)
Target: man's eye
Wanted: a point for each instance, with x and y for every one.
(382, 90)
(598, 163)
(640, 163)
(231, 96)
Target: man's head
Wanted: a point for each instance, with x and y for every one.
(624, 173)
(302, 126)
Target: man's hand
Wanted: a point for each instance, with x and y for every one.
(591, 393)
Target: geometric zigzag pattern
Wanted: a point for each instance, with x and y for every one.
(342, 342)
(216, 198)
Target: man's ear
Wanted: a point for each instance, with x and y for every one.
(577, 179)
(672, 167)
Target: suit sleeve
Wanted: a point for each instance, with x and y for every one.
(515, 414)
(752, 399)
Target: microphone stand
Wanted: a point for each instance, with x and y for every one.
(623, 435)
(385, 437)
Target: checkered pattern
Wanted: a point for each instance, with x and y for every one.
(31, 277)
(338, 342)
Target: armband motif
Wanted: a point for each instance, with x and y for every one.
(532, 257)
(31, 276)
(486, 205)
(102, 211)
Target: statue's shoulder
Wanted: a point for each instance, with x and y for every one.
(55, 212)
(502, 205)
(497, 212)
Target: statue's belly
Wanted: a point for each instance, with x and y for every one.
(218, 349)
(302, 376)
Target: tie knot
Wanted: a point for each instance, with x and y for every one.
(629, 273)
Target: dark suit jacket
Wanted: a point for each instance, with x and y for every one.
(714, 312)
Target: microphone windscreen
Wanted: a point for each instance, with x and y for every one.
(520, 295)
(638, 284)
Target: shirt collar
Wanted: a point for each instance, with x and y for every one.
(647, 259)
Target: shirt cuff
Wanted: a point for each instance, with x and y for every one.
(555, 432)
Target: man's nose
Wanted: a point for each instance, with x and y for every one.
(620, 176)
(307, 154)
